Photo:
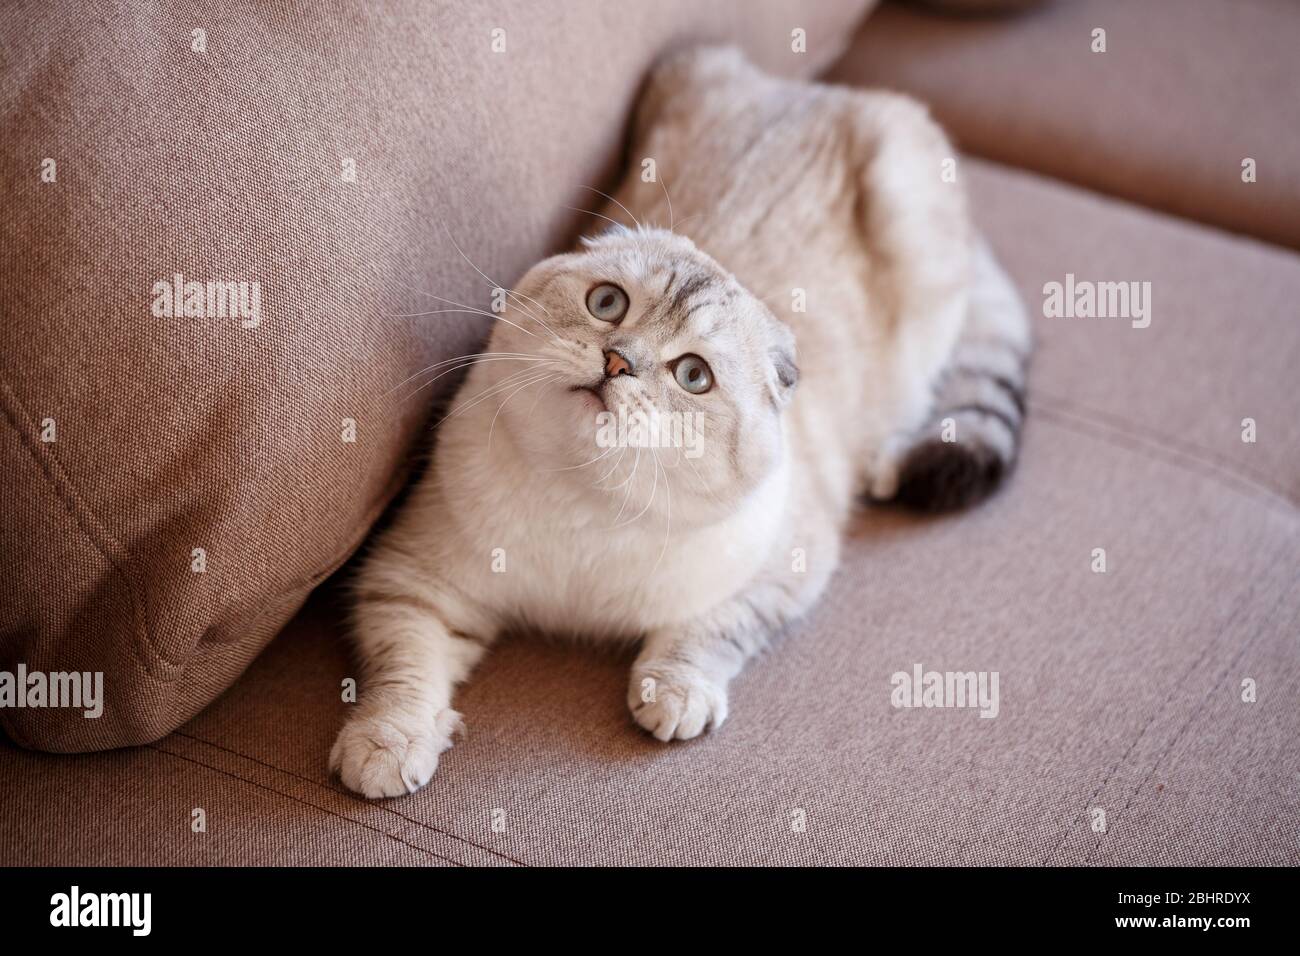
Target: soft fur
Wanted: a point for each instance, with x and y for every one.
(763, 187)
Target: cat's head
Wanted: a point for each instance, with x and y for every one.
(658, 355)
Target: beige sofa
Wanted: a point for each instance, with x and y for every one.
(1121, 691)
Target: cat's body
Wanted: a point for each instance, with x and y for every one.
(826, 204)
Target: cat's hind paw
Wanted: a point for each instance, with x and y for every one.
(391, 755)
(883, 484)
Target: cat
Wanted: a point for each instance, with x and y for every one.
(792, 272)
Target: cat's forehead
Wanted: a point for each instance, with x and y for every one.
(650, 261)
(681, 298)
(675, 274)
(675, 290)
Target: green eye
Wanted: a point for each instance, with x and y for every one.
(693, 374)
(607, 302)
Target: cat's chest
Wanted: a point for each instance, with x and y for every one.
(596, 586)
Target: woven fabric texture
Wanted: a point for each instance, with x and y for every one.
(1120, 691)
(1182, 95)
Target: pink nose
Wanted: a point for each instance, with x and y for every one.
(616, 364)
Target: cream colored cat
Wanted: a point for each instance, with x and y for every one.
(817, 311)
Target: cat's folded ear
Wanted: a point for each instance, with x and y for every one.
(784, 374)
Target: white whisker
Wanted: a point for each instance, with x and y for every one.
(457, 368)
(492, 282)
(417, 315)
(627, 494)
(598, 216)
(466, 308)
(617, 462)
(533, 407)
(616, 203)
(535, 381)
(468, 360)
(707, 490)
(520, 295)
(653, 490)
(488, 393)
(669, 199)
(669, 530)
(584, 464)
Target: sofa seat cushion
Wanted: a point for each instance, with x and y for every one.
(1119, 691)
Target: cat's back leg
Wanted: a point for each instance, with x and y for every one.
(914, 225)
(958, 330)
(971, 438)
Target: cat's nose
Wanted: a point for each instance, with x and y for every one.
(616, 364)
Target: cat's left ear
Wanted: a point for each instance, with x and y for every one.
(784, 371)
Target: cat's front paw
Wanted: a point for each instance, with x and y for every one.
(390, 755)
(676, 704)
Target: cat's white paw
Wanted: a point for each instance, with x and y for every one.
(392, 754)
(678, 704)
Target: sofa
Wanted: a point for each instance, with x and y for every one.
(183, 500)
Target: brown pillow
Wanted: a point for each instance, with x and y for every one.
(176, 470)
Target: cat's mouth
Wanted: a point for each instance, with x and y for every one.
(591, 393)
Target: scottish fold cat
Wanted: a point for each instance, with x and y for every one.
(787, 271)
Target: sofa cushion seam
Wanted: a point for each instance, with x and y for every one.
(1156, 712)
(1191, 718)
(1140, 433)
(318, 785)
(86, 521)
(1069, 417)
(299, 800)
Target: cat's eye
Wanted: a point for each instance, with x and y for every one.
(693, 374)
(607, 302)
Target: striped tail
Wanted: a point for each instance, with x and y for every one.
(972, 438)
